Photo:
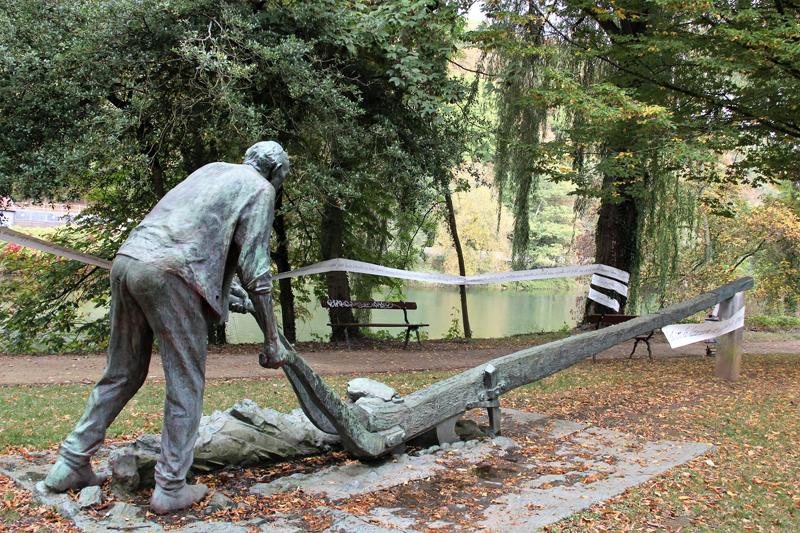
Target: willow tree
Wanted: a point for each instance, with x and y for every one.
(649, 96)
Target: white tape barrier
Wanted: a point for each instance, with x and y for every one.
(602, 299)
(360, 267)
(27, 241)
(682, 334)
(606, 283)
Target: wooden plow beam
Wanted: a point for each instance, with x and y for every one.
(373, 429)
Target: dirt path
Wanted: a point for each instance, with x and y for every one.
(240, 361)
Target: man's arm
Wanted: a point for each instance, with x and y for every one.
(274, 354)
(253, 236)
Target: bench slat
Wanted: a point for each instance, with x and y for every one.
(372, 325)
(333, 303)
(609, 319)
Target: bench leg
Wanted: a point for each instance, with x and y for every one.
(408, 334)
(347, 337)
(418, 339)
(649, 351)
(635, 344)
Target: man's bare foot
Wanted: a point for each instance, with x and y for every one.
(168, 501)
(63, 477)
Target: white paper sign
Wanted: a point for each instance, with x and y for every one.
(682, 334)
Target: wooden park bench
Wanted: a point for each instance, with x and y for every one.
(609, 320)
(332, 303)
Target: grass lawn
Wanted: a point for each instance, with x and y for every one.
(752, 481)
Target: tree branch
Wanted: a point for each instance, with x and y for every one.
(749, 254)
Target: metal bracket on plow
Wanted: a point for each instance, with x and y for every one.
(492, 402)
(489, 398)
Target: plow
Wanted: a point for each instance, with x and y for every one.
(370, 429)
(373, 427)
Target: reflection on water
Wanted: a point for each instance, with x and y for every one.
(492, 313)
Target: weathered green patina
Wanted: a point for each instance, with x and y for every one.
(171, 278)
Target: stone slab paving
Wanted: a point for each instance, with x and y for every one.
(341, 482)
(582, 466)
(551, 498)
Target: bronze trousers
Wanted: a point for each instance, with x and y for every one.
(147, 302)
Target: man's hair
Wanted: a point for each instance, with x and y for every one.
(266, 156)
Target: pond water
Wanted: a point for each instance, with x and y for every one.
(492, 313)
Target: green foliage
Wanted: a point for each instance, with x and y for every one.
(643, 102)
(761, 240)
(117, 102)
(454, 331)
(45, 312)
(393, 335)
(773, 323)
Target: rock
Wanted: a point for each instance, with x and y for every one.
(68, 509)
(247, 434)
(219, 502)
(346, 523)
(468, 429)
(458, 445)
(127, 517)
(505, 443)
(369, 404)
(369, 388)
(133, 467)
(124, 510)
(90, 496)
(124, 473)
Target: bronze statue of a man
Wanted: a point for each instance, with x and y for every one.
(170, 279)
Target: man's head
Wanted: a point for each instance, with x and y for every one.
(270, 159)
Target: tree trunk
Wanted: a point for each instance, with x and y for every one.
(616, 237)
(337, 283)
(157, 177)
(217, 335)
(282, 261)
(462, 271)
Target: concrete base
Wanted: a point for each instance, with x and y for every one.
(547, 470)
